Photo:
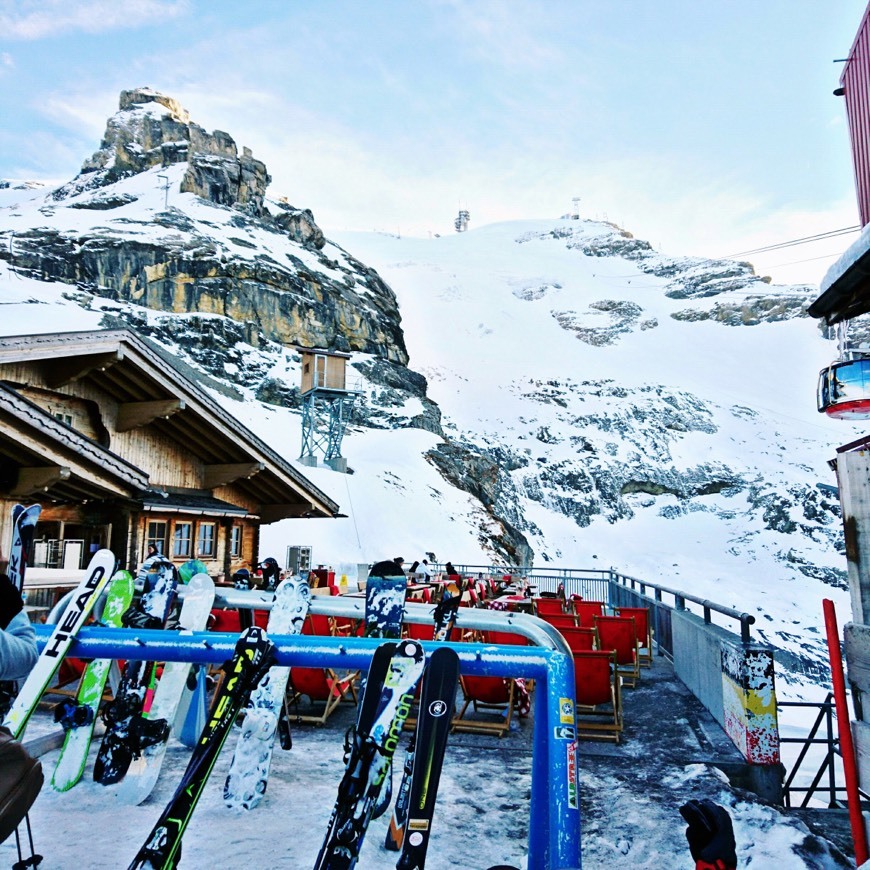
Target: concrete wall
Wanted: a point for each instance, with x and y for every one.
(733, 680)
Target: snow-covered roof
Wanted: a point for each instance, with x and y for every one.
(845, 289)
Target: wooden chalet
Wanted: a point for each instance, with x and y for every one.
(122, 450)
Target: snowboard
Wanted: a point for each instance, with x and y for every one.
(144, 769)
(78, 717)
(128, 732)
(249, 770)
(85, 596)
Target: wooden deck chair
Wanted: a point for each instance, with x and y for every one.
(505, 637)
(320, 685)
(318, 624)
(644, 632)
(619, 634)
(586, 611)
(599, 700)
(545, 606)
(488, 695)
(580, 639)
(419, 630)
(560, 621)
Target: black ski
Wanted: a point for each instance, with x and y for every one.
(251, 660)
(433, 726)
(369, 750)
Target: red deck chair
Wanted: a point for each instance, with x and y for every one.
(599, 701)
(580, 639)
(546, 606)
(505, 637)
(490, 695)
(320, 685)
(619, 634)
(644, 632)
(318, 624)
(586, 611)
(560, 621)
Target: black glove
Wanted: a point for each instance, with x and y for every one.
(11, 603)
(710, 834)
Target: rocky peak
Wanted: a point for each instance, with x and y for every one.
(150, 129)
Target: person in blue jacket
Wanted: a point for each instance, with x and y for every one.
(18, 651)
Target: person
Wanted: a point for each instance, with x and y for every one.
(152, 551)
(413, 568)
(423, 569)
(388, 568)
(271, 571)
(710, 835)
(449, 570)
(18, 651)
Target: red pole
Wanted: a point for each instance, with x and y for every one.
(847, 749)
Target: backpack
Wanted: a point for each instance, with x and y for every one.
(20, 781)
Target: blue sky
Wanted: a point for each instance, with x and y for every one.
(706, 128)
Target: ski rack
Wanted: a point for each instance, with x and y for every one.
(554, 819)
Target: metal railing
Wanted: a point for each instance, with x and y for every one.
(825, 778)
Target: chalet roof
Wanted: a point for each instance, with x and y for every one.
(57, 461)
(845, 289)
(150, 389)
(189, 503)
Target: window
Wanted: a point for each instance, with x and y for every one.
(157, 536)
(64, 418)
(236, 541)
(181, 539)
(205, 539)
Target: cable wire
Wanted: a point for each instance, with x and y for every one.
(802, 241)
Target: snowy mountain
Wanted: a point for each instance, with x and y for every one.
(550, 392)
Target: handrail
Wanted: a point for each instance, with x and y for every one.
(680, 599)
(554, 819)
(538, 632)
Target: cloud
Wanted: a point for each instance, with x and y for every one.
(6, 59)
(37, 19)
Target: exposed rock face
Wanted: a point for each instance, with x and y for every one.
(290, 303)
(151, 129)
(484, 475)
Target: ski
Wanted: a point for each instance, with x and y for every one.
(78, 717)
(370, 749)
(437, 702)
(15, 569)
(23, 526)
(249, 770)
(445, 618)
(144, 770)
(252, 657)
(446, 612)
(128, 732)
(84, 598)
(385, 610)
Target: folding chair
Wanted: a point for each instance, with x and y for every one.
(586, 611)
(487, 695)
(599, 700)
(320, 685)
(644, 632)
(619, 634)
(560, 621)
(580, 639)
(546, 606)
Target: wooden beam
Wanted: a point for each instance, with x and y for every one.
(40, 479)
(220, 475)
(64, 369)
(134, 415)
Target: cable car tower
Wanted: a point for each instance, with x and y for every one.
(326, 406)
(461, 222)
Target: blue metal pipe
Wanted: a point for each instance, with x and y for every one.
(554, 822)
